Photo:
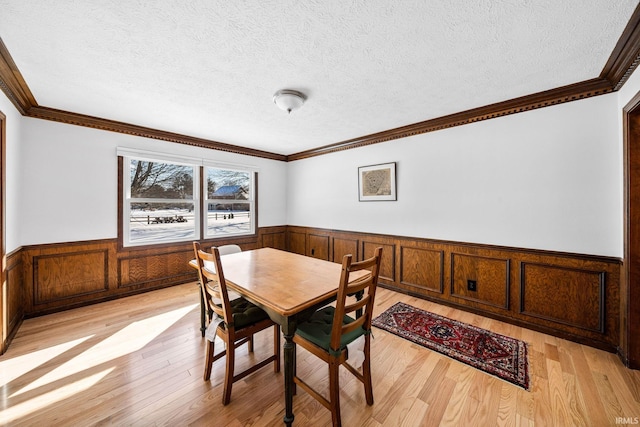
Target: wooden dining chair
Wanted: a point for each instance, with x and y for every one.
(229, 249)
(235, 322)
(330, 330)
(206, 313)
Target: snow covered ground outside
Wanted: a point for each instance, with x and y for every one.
(179, 224)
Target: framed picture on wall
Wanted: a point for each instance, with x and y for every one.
(377, 182)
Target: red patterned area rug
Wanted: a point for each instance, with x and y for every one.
(496, 354)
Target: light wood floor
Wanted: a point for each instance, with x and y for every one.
(138, 361)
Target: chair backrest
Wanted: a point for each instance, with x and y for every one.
(212, 282)
(229, 249)
(366, 285)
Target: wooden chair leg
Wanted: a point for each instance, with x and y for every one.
(228, 376)
(366, 371)
(203, 314)
(334, 392)
(250, 344)
(208, 360)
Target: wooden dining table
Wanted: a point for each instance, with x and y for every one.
(289, 287)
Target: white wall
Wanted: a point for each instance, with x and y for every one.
(14, 155)
(548, 179)
(68, 181)
(545, 179)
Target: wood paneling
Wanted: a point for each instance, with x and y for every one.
(583, 290)
(319, 246)
(65, 275)
(422, 269)
(342, 247)
(69, 274)
(143, 270)
(491, 276)
(276, 240)
(585, 306)
(297, 242)
(13, 297)
(388, 262)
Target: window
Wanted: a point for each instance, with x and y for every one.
(162, 199)
(160, 202)
(229, 202)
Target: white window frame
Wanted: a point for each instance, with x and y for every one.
(206, 201)
(128, 156)
(200, 210)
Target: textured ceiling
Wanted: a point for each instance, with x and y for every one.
(209, 68)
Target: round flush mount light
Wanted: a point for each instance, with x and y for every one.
(289, 100)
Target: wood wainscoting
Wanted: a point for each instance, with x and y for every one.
(13, 296)
(43, 279)
(571, 296)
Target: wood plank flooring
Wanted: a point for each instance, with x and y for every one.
(139, 361)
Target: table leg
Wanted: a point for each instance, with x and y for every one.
(289, 371)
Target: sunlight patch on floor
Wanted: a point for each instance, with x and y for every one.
(126, 341)
(18, 366)
(27, 407)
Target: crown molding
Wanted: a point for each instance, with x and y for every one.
(120, 127)
(547, 98)
(625, 55)
(12, 83)
(623, 60)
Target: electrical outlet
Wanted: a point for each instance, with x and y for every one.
(472, 285)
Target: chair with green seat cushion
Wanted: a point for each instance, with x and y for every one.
(245, 313)
(318, 329)
(235, 322)
(330, 330)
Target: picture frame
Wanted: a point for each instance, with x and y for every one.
(377, 182)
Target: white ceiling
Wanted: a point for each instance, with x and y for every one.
(209, 69)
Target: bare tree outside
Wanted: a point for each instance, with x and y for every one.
(161, 180)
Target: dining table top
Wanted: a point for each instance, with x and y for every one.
(286, 282)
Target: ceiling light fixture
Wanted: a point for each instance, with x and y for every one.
(289, 100)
